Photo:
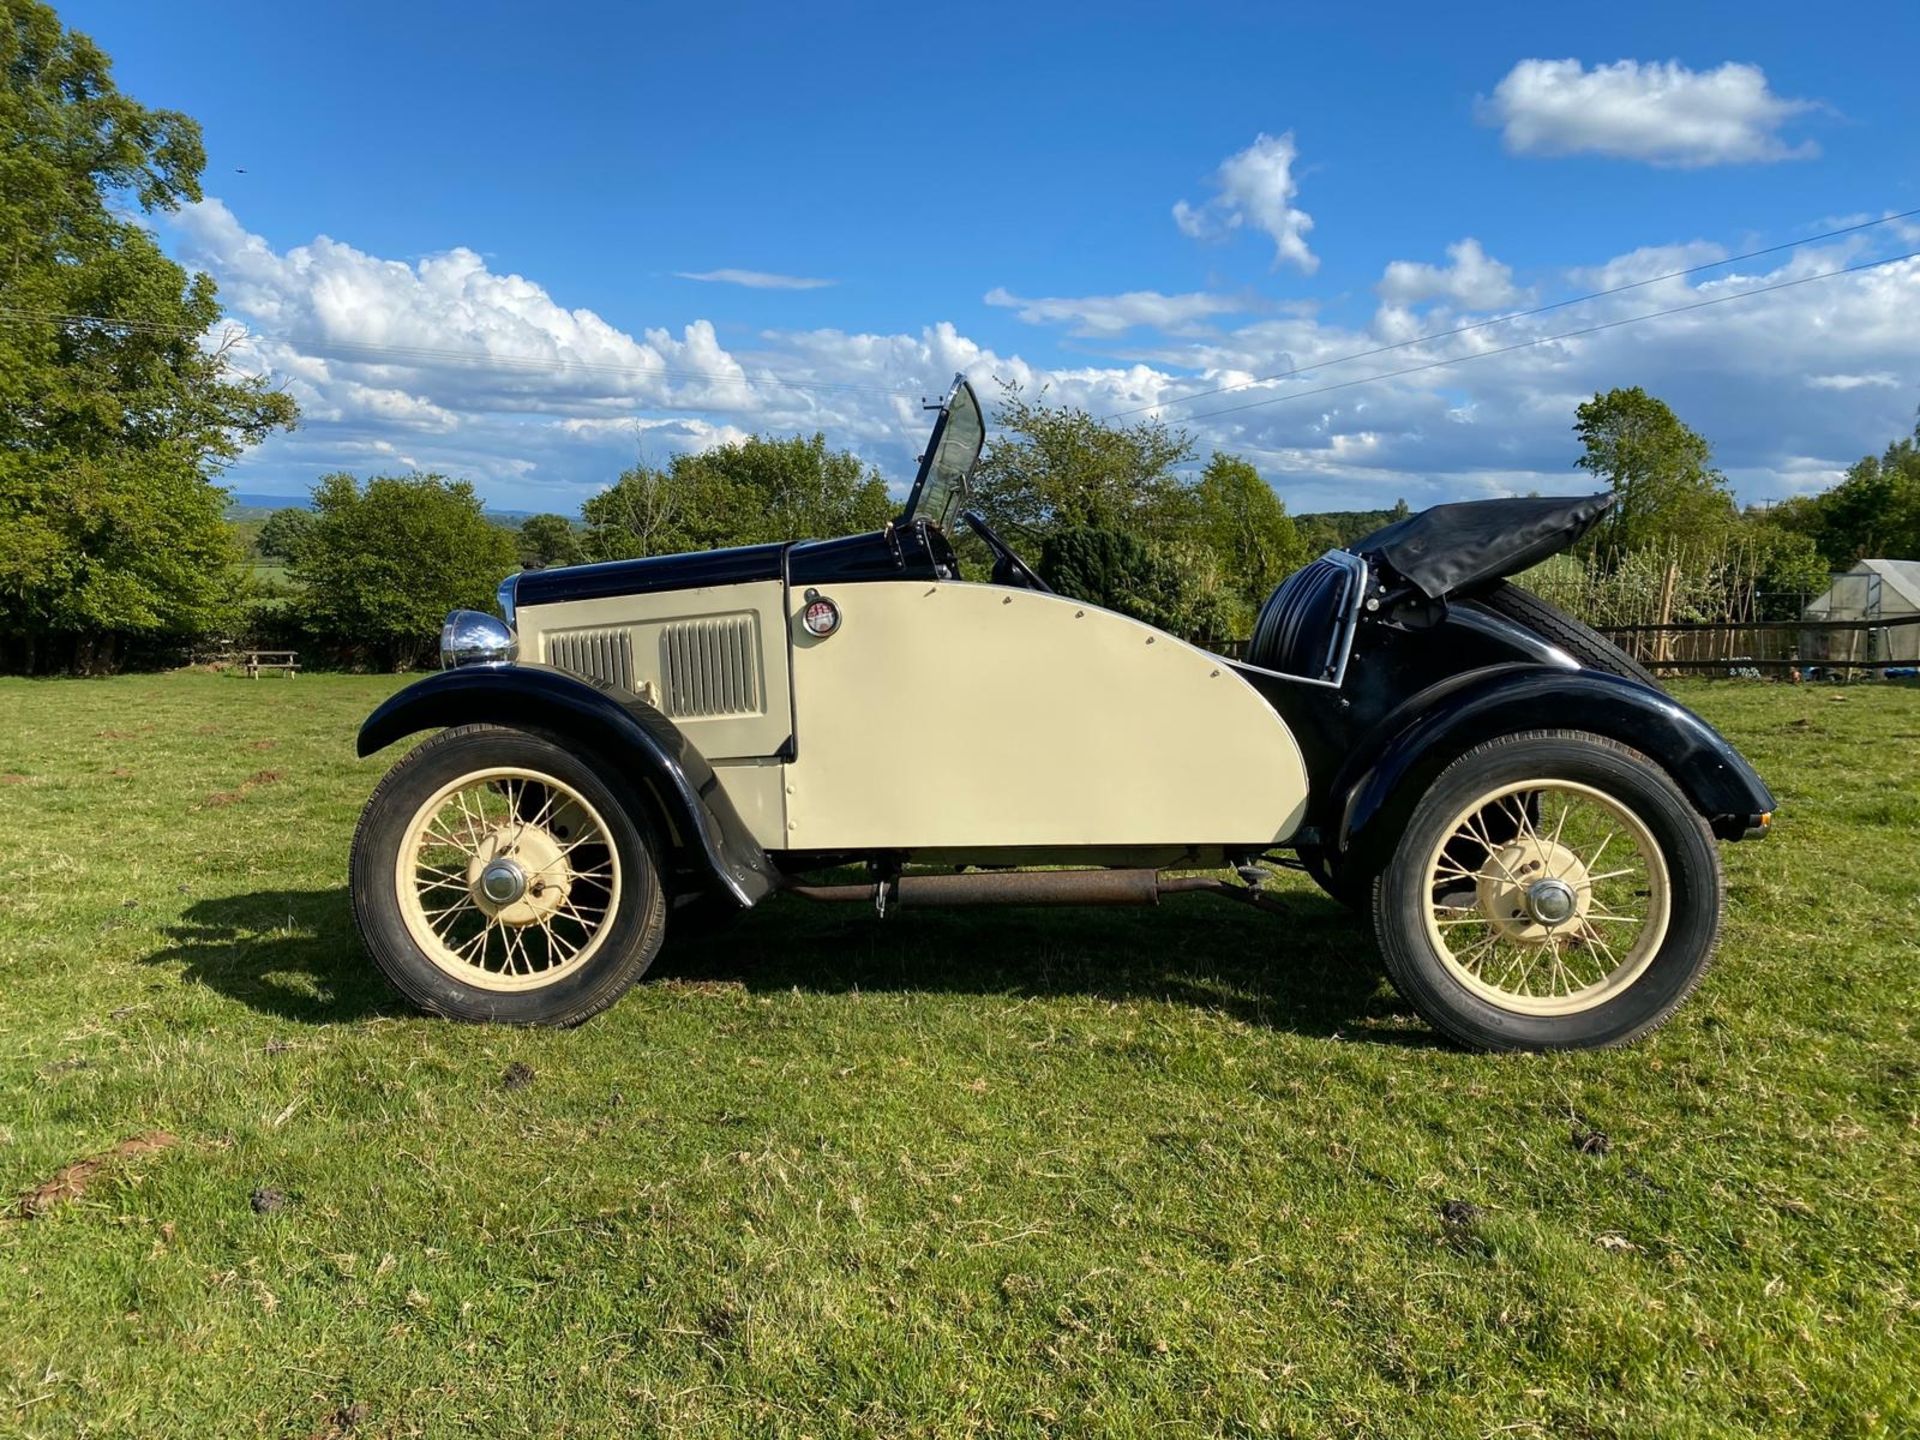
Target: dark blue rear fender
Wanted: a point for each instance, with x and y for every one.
(1387, 777)
(640, 746)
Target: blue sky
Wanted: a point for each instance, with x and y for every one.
(462, 234)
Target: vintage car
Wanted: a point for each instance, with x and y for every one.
(1526, 817)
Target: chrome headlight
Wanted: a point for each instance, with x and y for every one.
(471, 638)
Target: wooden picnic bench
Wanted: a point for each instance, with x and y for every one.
(287, 662)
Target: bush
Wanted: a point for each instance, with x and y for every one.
(382, 566)
(1171, 586)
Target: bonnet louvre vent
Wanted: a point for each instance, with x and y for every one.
(711, 667)
(605, 655)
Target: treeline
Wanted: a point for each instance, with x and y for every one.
(1116, 517)
(1874, 513)
(1676, 548)
(372, 569)
(1120, 517)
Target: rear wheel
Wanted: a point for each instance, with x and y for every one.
(1553, 891)
(497, 876)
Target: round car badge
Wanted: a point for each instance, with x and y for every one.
(821, 617)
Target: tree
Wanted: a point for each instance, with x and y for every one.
(1787, 567)
(284, 532)
(1874, 513)
(1056, 466)
(1661, 471)
(636, 515)
(1219, 542)
(1243, 523)
(752, 491)
(1168, 584)
(384, 564)
(549, 540)
(111, 424)
(1326, 530)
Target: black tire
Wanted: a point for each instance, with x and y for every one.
(1555, 626)
(634, 930)
(1403, 895)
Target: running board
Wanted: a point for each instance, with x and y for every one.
(1031, 887)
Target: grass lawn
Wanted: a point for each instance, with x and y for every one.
(1173, 1172)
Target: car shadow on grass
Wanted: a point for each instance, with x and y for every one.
(1313, 970)
(294, 953)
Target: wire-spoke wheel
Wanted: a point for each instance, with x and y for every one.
(1553, 890)
(508, 879)
(1547, 897)
(497, 876)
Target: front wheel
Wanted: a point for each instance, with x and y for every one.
(498, 877)
(1553, 891)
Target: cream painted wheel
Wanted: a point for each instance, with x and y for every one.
(1548, 897)
(504, 875)
(1550, 890)
(507, 879)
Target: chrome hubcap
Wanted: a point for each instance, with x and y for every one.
(503, 882)
(1551, 902)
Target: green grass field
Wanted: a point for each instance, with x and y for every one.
(1176, 1172)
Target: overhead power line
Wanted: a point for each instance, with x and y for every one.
(1507, 319)
(1562, 335)
(367, 352)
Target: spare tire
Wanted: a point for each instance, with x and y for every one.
(1555, 626)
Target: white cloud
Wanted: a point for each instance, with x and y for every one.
(1636, 267)
(755, 279)
(1662, 113)
(1883, 379)
(375, 333)
(1256, 188)
(445, 365)
(1473, 281)
(645, 434)
(1107, 315)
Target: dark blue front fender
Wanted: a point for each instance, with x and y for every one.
(1385, 780)
(642, 747)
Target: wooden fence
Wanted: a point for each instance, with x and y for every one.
(1769, 646)
(1772, 645)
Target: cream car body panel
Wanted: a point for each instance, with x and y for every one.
(713, 658)
(953, 715)
(758, 790)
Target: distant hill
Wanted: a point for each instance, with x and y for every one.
(243, 508)
(241, 500)
(252, 509)
(1336, 529)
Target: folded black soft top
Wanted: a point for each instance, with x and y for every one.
(1451, 548)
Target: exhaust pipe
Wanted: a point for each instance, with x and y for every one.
(1029, 887)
